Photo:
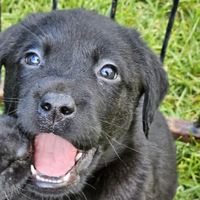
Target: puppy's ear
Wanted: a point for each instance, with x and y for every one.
(156, 84)
(8, 41)
(154, 78)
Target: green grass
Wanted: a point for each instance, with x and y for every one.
(182, 61)
(188, 158)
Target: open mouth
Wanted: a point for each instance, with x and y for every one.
(57, 162)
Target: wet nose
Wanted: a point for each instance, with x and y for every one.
(61, 105)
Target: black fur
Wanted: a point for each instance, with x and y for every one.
(111, 115)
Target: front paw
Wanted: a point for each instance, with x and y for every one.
(14, 160)
(12, 145)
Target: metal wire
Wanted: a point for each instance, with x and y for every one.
(113, 9)
(169, 29)
(0, 31)
(0, 15)
(54, 4)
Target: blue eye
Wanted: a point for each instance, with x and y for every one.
(32, 59)
(109, 72)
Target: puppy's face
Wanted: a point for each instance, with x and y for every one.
(78, 77)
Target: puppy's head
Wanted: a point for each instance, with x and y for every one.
(78, 76)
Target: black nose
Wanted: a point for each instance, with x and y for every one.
(58, 105)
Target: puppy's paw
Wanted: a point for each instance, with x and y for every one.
(12, 145)
(14, 151)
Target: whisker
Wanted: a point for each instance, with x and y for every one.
(113, 125)
(11, 112)
(123, 145)
(114, 148)
(10, 101)
(89, 185)
(6, 195)
(109, 143)
(84, 195)
(18, 190)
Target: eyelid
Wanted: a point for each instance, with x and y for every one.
(36, 51)
(103, 63)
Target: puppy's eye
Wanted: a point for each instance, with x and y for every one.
(32, 59)
(109, 72)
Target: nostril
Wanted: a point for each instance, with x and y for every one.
(66, 110)
(46, 106)
(57, 105)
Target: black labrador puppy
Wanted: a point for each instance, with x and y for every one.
(81, 122)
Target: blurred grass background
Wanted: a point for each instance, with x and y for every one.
(182, 61)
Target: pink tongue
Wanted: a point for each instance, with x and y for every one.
(54, 156)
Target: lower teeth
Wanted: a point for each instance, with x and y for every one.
(49, 179)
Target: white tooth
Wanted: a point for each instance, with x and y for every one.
(42, 179)
(78, 156)
(59, 181)
(38, 177)
(66, 177)
(54, 181)
(34, 172)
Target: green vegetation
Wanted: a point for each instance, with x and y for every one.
(182, 61)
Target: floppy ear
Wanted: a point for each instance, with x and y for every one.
(155, 87)
(8, 41)
(154, 78)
